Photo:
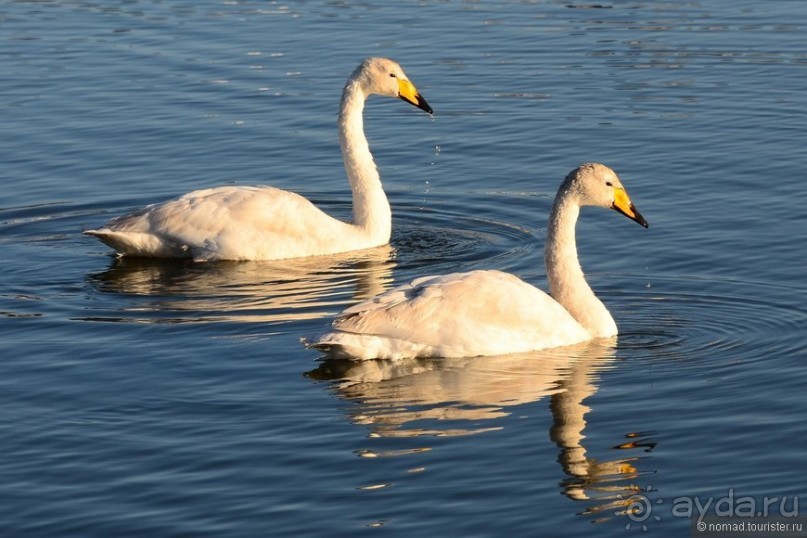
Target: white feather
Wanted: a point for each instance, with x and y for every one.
(490, 312)
(265, 223)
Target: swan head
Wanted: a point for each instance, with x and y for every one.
(596, 184)
(383, 76)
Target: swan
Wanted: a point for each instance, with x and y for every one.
(488, 312)
(265, 223)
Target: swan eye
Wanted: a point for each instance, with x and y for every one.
(609, 184)
(392, 75)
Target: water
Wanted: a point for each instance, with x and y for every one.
(175, 398)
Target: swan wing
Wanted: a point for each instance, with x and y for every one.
(460, 314)
(228, 223)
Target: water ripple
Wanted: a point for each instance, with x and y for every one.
(736, 320)
(440, 237)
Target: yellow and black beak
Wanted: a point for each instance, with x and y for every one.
(623, 204)
(408, 92)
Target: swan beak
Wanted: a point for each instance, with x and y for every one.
(623, 204)
(408, 92)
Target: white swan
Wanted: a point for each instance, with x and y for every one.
(265, 223)
(491, 312)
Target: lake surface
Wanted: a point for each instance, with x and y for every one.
(175, 399)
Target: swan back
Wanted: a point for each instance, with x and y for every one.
(455, 315)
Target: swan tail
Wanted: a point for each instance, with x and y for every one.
(138, 244)
(334, 350)
(342, 345)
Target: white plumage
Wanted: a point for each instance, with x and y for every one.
(265, 223)
(491, 312)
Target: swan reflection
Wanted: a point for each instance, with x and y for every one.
(270, 291)
(450, 397)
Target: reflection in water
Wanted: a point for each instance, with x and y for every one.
(441, 397)
(609, 487)
(284, 290)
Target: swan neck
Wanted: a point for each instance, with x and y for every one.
(371, 210)
(567, 283)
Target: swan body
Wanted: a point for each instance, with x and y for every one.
(265, 223)
(491, 312)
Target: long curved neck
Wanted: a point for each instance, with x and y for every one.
(567, 283)
(371, 210)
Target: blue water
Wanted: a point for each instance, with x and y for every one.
(175, 399)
